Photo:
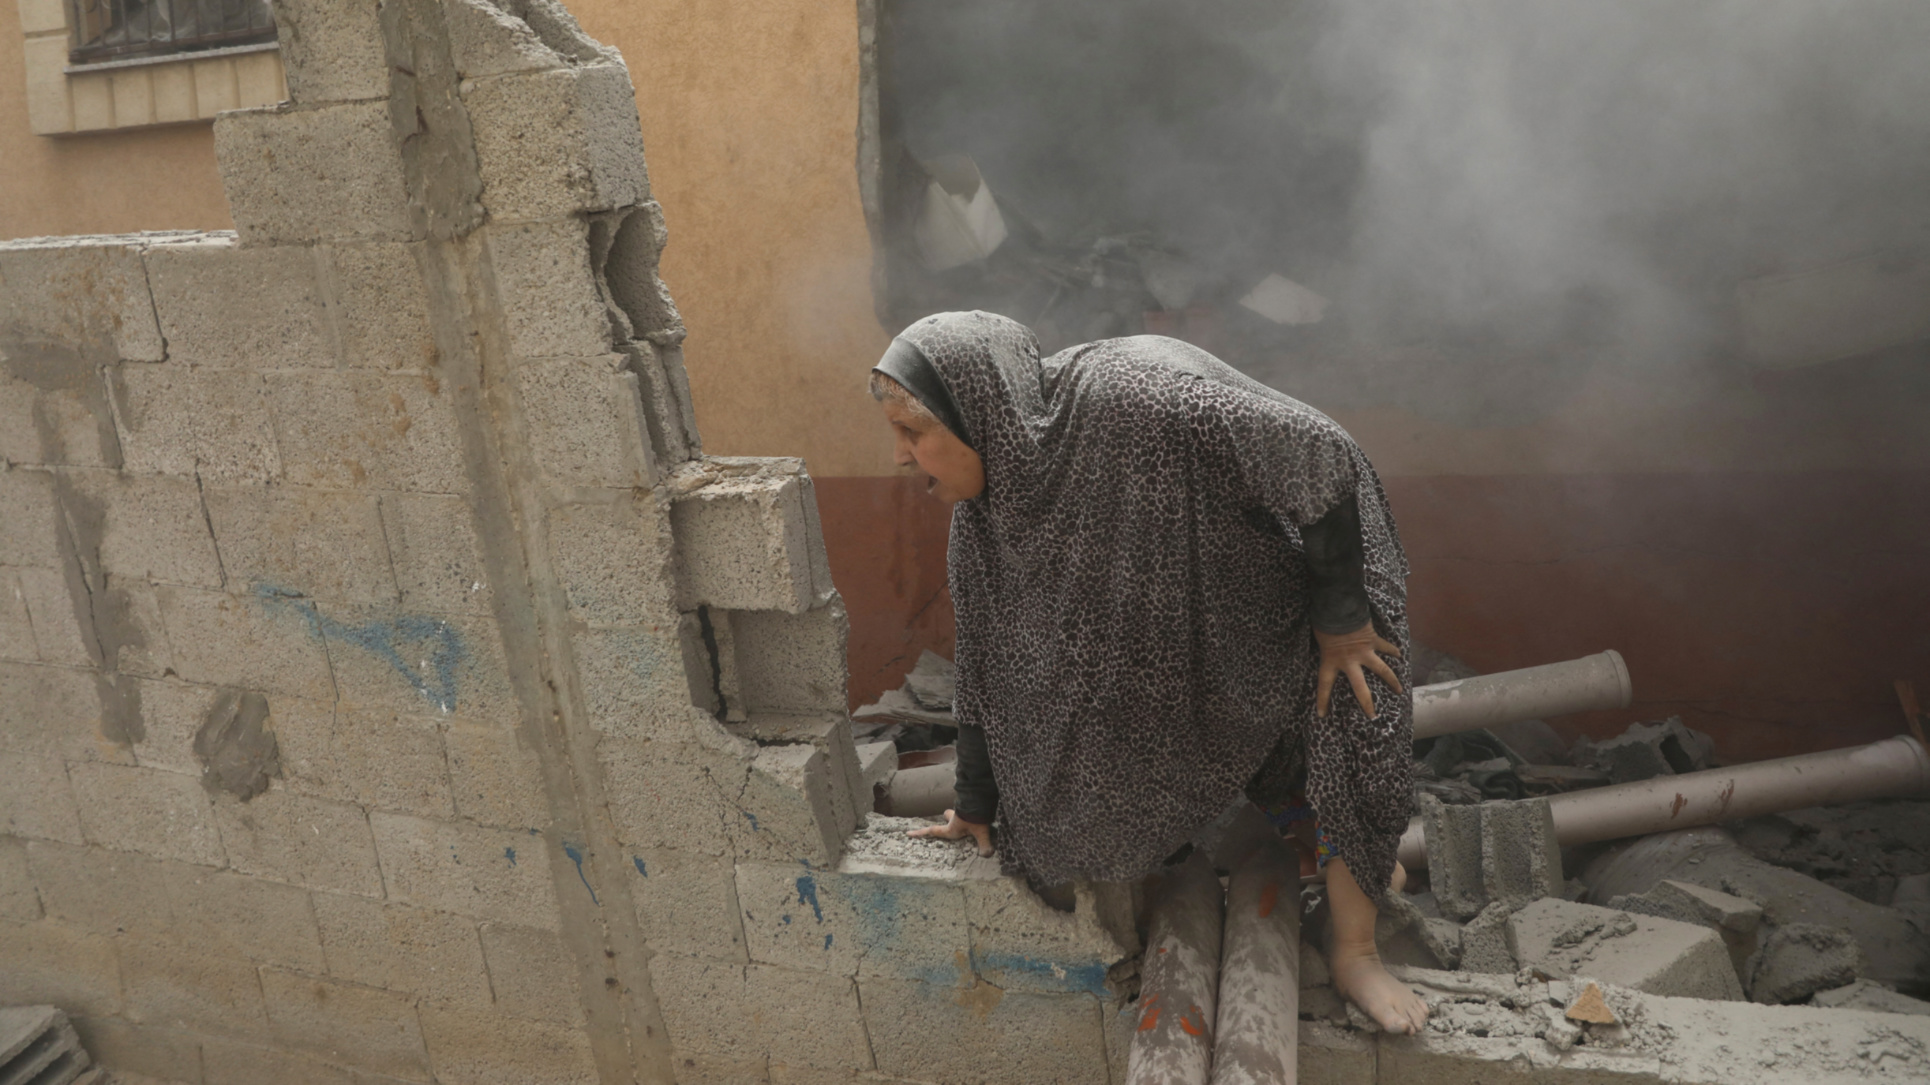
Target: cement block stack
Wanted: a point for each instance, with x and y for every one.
(389, 688)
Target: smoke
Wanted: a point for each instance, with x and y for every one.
(1527, 175)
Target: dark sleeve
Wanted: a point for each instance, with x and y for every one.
(1335, 559)
(978, 796)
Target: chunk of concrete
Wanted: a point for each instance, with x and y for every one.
(745, 538)
(1738, 921)
(332, 50)
(558, 142)
(1406, 936)
(1799, 959)
(1876, 998)
(295, 175)
(1647, 750)
(1493, 851)
(1484, 941)
(1660, 956)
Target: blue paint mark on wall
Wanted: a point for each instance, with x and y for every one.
(385, 640)
(807, 892)
(785, 919)
(576, 856)
(750, 817)
(637, 859)
(1088, 977)
(510, 854)
(827, 943)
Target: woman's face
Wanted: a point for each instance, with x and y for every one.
(953, 471)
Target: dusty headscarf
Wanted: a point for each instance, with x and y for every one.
(1131, 596)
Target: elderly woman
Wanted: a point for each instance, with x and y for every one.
(1160, 567)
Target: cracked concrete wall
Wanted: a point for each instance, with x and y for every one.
(390, 688)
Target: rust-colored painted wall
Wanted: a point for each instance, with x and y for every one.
(117, 182)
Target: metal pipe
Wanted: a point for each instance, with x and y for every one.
(1179, 979)
(1892, 767)
(1259, 1023)
(1556, 689)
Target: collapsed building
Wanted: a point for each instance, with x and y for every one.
(392, 690)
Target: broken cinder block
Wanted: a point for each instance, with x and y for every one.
(1799, 959)
(1738, 921)
(1493, 851)
(747, 534)
(1659, 956)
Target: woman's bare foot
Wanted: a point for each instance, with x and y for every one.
(1355, 961)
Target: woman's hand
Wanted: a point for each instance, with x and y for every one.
(1349, 652)
(956, 828)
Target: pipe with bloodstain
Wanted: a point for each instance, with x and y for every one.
(1179, 980)
(1259, 1025)
(1891, 768)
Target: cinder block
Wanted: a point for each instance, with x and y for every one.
(1659, 956)
(788, 807)
(792, 662)
(229, 915)
(585, 422)
(673, 795)
(748, 1012)
(1738, 921)
(189, 419)
(332, 50)
(495, 778)
(1021, 943)
(328, 173)
(830, 734)
(19, 903)
(106, 892)
(551, 303)
(140, 1054)
(28, 533)
(615, 560)
(1484, 941)
(486, 40)
(356, 428)
(90, 293)
(180, 988)
(856, 925)
(36, 799)
(54, 712)
(231, 1062)
(744, 542)
(1332, 1055)
(56, 618)
(637, 683)
(381, 305)
(196, 284)
(260, 642)
(1799, 959)
(486, 873)
(147, 526)
(558, 142)
(1493, 851)
(126, 620)
(438, 560)
(383, 761)
(490, 1049)
(65, 420)
(687, 903)
(532, 973)
(55, 963)
(323, 544)
(983, 1035)
(346, 1024)
(16, 627)
(414, 951)
(419, 664)
(151, 811)
(301, 841)
(171, 713)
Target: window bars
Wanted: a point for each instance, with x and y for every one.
(118, 29)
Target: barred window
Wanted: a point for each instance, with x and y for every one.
(118, 29)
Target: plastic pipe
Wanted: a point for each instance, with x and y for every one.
(1556, 689)
(1890, 768)
(1179, 980)
(921, 792)
(1259, 1023)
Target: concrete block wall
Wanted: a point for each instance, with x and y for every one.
(390, 690)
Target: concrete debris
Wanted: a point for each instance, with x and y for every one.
(1496, 851)
(876, 762)
(881, 843)
(932, 682)
(1648, 750)
(915, 716)
(1484, 941)
(1736, 920)
(1866, 849)
(1800, 959)
(1864, 995)
(1406, 936)
(1556, 938)
(1589, 1007)
(38, 1044)
(1894, 950)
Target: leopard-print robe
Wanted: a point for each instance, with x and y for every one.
(1132, 601)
